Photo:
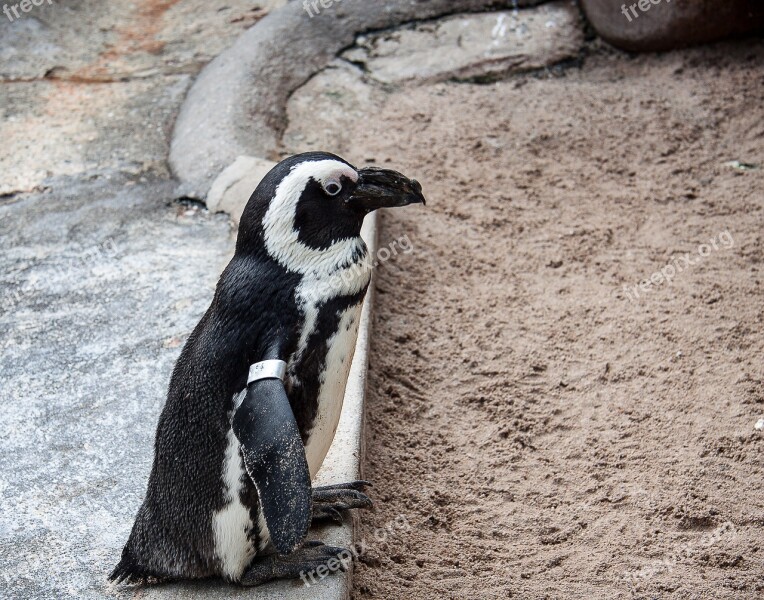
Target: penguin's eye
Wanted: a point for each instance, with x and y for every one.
(332, 187)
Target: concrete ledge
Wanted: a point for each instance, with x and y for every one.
(232, 189)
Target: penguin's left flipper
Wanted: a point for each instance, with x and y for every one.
(274, 457)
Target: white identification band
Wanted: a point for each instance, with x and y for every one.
(267, 369)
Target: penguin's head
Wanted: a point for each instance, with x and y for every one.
(316, 202)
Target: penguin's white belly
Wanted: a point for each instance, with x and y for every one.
(331, 393)
(232, 525)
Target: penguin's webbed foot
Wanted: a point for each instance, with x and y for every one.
(302, 564)
(329, 501)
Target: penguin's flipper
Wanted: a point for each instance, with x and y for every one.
(274, 457)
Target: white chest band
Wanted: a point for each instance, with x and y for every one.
(267, 369)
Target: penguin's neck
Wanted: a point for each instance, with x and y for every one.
(283, 244)
(346, 273)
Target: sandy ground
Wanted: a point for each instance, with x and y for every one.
(546, 430)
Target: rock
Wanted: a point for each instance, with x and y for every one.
(667, 24)
(232, 189)
(55, 128)
(322, 113)
(474, 46)
(28, 48)
(100, 274)
(73, 71)
(741, 166)
(92, 41)
(237, 104)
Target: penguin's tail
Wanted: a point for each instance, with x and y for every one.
(126, 573)
(121, 572)
(129, 571)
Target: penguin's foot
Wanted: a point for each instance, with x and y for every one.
(330, 501)
(312, 559)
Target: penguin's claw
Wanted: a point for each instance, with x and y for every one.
(326, 514)
(330, 501)
(301, 564)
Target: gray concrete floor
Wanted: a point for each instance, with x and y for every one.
(101, 283)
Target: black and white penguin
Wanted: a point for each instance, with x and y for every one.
(256, 395)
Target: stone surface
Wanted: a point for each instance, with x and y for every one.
(94, 87)
(673, 24)
(234, 186)
(88, 40)
(236, 106)
(322, 112)
(101, 284)
(472, 47)
(55, 128)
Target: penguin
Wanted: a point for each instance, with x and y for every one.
(256, 394)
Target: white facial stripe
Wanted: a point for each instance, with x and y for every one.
(281, 239)
(324, 170)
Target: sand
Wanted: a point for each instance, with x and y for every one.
(546, 430)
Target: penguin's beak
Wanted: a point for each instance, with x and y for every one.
(383, 188)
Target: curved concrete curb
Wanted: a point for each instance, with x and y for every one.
(237, 106)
